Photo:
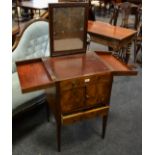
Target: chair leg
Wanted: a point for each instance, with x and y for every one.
(138, 50)
(135, 50)
(59, 136)
(104, 126)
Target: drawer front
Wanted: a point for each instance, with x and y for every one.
(82, 81)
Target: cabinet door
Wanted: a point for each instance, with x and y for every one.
(99, 94)
(72, 100)
(83, 93)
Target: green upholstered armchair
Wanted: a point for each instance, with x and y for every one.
(33, 43)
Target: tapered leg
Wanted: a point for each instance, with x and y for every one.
(59, 136)
(104, 126)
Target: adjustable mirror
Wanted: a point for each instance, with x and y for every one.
(68, 28)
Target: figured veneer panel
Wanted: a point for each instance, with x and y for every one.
(33, 75)
(98, 94)
(116, 66)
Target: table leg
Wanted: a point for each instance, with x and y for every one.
(104, 124)
(59, 136)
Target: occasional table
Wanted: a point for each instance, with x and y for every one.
(36, 5)
(112, 36)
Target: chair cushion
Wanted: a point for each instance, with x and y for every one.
(17, 97)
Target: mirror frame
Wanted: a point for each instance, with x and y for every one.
(51, 27)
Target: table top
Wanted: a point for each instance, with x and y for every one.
(48, 71)
(110, 31)
(74, 66)
(36, 4)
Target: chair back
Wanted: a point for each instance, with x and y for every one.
(122, 15)
(33, 43)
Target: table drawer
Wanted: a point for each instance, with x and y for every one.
(83, 81)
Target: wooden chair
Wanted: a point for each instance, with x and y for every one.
(138, 46)
(124, 12)
(122, 17)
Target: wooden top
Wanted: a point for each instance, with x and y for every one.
(41, 73)
(75, 66)
(36, 4)
(108, 30)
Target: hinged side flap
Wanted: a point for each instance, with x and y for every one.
(116, 66)
(33, 75)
